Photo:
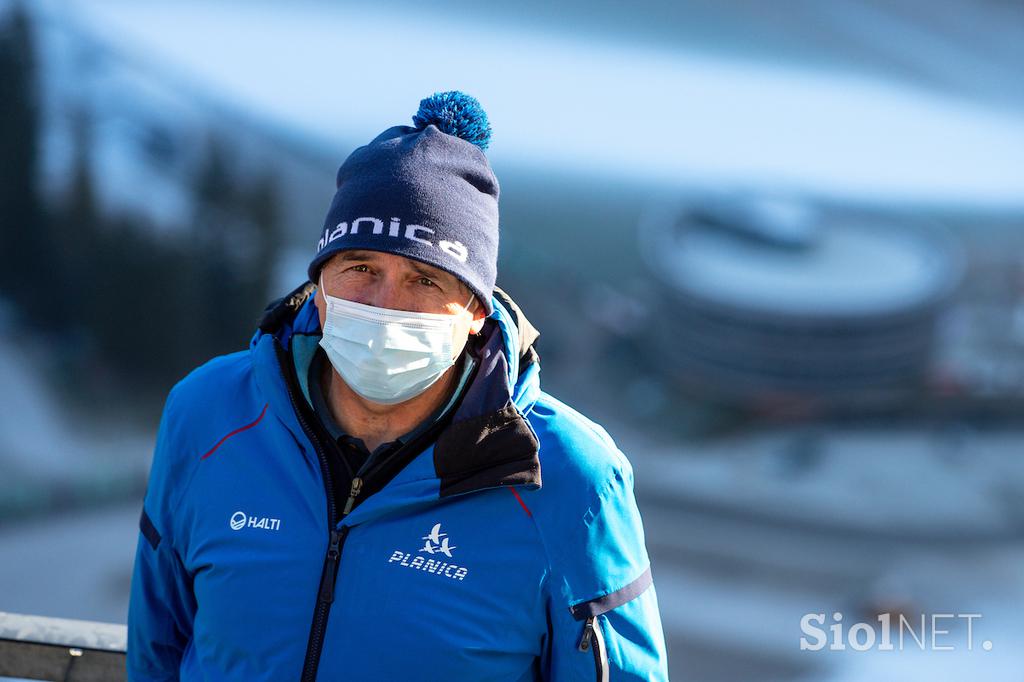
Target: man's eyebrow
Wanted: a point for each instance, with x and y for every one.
(427, 270)
(356, 254)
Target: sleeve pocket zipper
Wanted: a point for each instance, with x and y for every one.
(593, 639)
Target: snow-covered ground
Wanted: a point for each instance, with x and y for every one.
(747, 534)
(44, 453)
(74, 565)
(899, 482)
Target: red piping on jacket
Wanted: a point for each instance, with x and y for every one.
(236, 431)
(523, 504)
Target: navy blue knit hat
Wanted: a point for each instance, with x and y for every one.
(425, 192)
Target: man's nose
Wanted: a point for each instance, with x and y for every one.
(385, 293)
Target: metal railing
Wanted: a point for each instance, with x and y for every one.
(61, 650)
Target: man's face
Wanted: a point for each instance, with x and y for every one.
(385, 280)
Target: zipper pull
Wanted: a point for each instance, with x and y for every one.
(588, 634)
(330, 568)
(357, 485)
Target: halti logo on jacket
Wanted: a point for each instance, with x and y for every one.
(435, 542)
(240, 520)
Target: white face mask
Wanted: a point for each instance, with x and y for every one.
(387, 356)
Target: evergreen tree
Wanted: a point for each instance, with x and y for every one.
(77, 281)
(23, 234)
(214, 287)
(237, 234)
(263, 206)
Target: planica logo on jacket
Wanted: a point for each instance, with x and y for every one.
(457, 551)
(436, 543)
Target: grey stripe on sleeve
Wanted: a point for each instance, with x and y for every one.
(596, 607)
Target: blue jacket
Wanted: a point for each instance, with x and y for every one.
(457, 563)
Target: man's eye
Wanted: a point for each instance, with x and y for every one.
(425, 281)
(361, 265)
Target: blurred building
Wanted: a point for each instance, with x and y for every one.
(776, 300)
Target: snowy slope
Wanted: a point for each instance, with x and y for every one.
(44, 455)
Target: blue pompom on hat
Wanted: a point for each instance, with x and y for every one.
(455, 113)
(426, 192)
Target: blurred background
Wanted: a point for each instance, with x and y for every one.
(774, 248)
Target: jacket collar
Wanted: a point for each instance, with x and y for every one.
(487, 442)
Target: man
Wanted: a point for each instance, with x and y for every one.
(359, 495)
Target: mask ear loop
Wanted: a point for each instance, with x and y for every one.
(466, 308)
(320, 288)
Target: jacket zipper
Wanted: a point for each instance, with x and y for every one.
(357, 485)
(336, 538)
(593, 639)
(332, 563)
(327, 584)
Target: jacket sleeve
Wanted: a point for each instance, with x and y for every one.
(604, 622)
(161, 605)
